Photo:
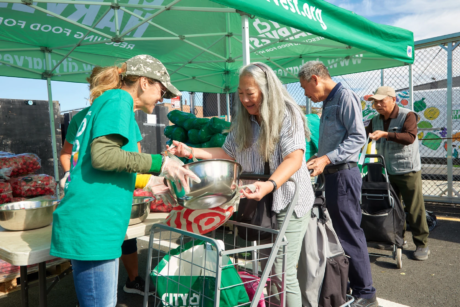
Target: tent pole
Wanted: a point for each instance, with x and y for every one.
(218, 104)
(227, 98)
(52, 127)
(382, 77)
(245, 31)
(308, 109)
(411, 88)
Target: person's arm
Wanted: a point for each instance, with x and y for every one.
(107, 155)
(139, 146)
(352, 120)
(182, 150)
(405, 137)
(408, 133)
(65, 156)
(291, 164)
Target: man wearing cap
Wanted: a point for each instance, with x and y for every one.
(342, 136)
(395, 131)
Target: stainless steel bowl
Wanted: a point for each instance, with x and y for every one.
(219, 182)
(140, 209)
(26, 215)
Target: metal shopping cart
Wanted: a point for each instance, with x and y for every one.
(223, 250)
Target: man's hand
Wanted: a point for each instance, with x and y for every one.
(376, 135)
(262, 189)
(318, 165)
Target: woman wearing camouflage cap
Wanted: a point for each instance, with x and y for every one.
(90, 223)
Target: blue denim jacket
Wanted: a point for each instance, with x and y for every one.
(342, 132)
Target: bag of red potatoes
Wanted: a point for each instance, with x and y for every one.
(155, 205)
(6, 193)
(33, 185)
(22, 164)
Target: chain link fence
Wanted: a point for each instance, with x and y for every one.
(429, 101)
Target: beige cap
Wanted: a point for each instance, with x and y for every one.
(383, 92)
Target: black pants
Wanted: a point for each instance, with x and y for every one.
(343, 190)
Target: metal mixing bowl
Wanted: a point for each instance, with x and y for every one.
(140, 209)
(219, 182)
(26, 215)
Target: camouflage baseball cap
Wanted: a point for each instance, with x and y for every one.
(147, 66)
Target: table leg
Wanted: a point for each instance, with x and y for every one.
(24, 287)
(42, 284)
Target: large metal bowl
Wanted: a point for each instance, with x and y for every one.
(219, 182)
(140, 209)
(26, 215)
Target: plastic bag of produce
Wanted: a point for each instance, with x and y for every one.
(189, 124)
(22, 164)
(217, 140)
(33, 185)
(193, 136)
(6, 193)
(16, 199)
(159, 206)
(217, 125)
(179, 134)
(198, 123)
(204, 134)
(179, 118)
(168, 131)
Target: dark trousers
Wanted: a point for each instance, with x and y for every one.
(343, 190)
(409, 186)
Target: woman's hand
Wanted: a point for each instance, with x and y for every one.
(262, 189)
(179, 149)
(173, 169)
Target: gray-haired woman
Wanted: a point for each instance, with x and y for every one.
(270, 126)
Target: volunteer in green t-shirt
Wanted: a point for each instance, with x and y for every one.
(90, 223)
(312, 145)
(134, 283)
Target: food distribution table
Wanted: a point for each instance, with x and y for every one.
(23, 248)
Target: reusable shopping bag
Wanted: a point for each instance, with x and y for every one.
(187, 277)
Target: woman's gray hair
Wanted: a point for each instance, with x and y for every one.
(311, 68)
(275, 101)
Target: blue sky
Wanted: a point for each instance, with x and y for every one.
(426, 18)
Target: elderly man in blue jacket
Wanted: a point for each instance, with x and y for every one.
(342, 135)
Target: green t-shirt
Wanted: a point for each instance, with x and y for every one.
(74, 125)
(76, 122)
(313, 121)
(91, 221)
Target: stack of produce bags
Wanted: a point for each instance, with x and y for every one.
(17, 181)
(196, 132)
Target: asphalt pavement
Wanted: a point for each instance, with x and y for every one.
(435, 282)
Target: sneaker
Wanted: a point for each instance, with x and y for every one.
(421, 253)
(365, 302)
(136, 286)
(388, 247)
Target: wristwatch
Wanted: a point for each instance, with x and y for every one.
(275, 186)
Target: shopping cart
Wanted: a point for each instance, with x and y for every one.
(383, 214)
(224, 249)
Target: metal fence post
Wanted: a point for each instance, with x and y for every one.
(192, 102)
(450, 49)
(411, 88)
(308, 106)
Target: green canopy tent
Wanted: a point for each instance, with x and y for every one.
(203, 43)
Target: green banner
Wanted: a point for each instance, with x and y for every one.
(199, 41)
